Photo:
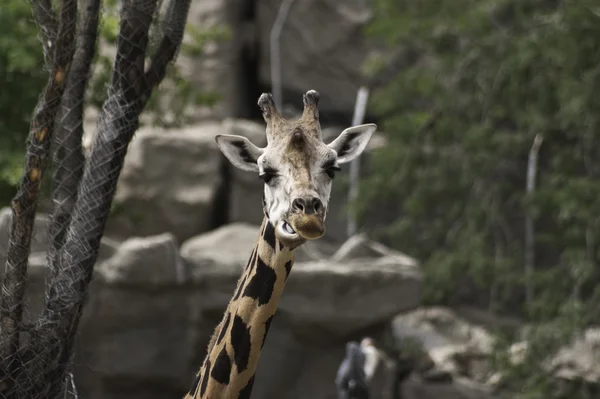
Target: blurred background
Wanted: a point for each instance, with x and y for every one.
(474, 261)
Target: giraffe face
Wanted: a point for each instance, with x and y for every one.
(297, 167)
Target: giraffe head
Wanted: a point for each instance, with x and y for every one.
(297, 167)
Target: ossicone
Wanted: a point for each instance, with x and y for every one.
(311, 103)
(267, 106)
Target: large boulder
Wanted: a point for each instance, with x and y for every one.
(338, 299)
(142, 324)
(148, 261)
(450, 356)
(169, 183)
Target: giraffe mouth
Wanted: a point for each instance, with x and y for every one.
(286, 232)
(288, 228)
(300, 228)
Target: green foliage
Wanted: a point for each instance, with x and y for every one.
(170, 100)
(22, 77)
(460, 120)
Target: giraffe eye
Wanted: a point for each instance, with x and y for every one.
(268, 175)
(331, 169)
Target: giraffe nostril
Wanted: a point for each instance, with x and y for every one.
(308, 205)
(299, 204)
(317, 204)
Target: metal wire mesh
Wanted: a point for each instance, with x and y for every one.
(35, 357)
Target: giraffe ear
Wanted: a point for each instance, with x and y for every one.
(352, 142)
(240, 151)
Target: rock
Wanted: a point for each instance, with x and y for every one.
(518, 352)
(294, 367)
(216, 260)
(169, 183)
(140, 340)
(359, 247)
(578, 361)
(148, 261)
(227, 247)
(314, 251)
(452, 345)
(146, 332)
(415, 388)
(324, 50)
(333, 299)
(338, 299)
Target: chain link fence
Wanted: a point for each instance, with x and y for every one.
(35, 357)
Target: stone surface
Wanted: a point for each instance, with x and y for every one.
(445, 344)
(415, 388)
(359, 247)
(324, 49)
(145, 333)
(152, 310)
(580, 360)
(169, 183)
(149, 261)
(324, 297)
(335, 300)
(140, 341)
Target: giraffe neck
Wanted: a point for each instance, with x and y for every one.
(235, 347)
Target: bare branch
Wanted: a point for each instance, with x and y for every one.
(529, 228)
(25, 202)
(128, 76)
(119, 120)
(68, 156)
(174, 22)
(74, 263)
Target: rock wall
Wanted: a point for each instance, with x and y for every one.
(153, 307)
(154, 304)
(322, 47)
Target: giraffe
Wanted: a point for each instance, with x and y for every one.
(297, 169)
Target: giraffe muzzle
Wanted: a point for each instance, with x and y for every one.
(308, 226)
